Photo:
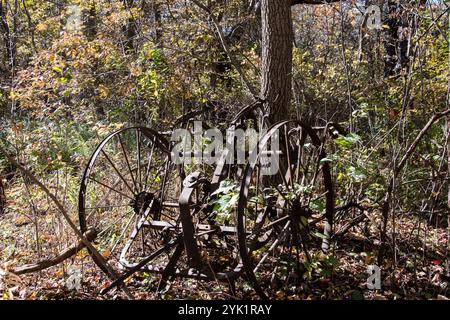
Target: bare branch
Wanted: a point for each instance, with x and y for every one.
(233, 60)
(294, 2)
(419, 137)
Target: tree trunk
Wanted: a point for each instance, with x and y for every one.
(8, 38)
(158, 25)
(396, 39)
(129, 29)
(154, 10)
(90, 22)
(2, 197)
(4, 31)
(277, 45)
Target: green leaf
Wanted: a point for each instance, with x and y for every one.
(319, 235)
(225, 186)
(303, 222)
(57, 69)
(326, 272)
(348, 141)
(357, 295)
(325, 160)
(357, 174)
(319, 205)
(332, 261)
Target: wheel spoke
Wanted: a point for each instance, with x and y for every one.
(105, 197)
(127, 161)
(123, 232)
(138, 147)
(147, 171)
(273, 246)
(118, 172)
(269, 226)
(112, 225)
(288, 155)
(111, 188)
(107, 207)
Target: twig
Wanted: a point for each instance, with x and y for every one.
(396, 172)
(363, 216)
(419, 137)
(227, 49)
(2, 197)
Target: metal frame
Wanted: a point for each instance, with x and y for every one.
(185, 232)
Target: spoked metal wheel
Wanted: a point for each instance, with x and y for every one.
(210, 201)
(129, 195)
(246, 119)
(277, 200)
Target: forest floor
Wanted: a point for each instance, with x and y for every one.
(419, 269)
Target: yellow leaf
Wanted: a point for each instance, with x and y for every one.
(281, 295)
(136, 71)
(128, 280)
(103, 92)
(40, 27)
(59, 273)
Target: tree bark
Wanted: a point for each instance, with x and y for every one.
(153, 9)
(396, 39)
(129, 29)
(2, 197)
(30, 24)
(277, 45)
(8, 38)
(90, 22)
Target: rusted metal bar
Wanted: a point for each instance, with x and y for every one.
(198, 227)
(190, 244)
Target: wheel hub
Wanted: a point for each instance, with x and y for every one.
(143, 201)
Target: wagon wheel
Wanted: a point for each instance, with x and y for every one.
(217, 245)
(246, 118)
(128, 186)
(275, 208)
